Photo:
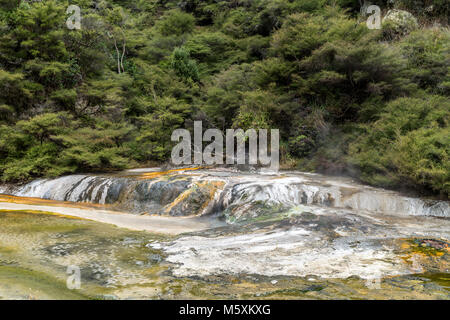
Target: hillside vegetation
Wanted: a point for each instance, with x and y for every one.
(373, 104)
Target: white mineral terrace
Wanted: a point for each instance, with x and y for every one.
(351, 229)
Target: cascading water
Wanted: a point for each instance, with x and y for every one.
(239, 195)
(291, 191)
(122, 193)
(290, 224)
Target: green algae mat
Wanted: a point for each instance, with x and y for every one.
(37, 248)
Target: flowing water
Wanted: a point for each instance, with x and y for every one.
(203, 192)
(239, 234)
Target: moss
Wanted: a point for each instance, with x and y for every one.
(421, 246)
(7, 250)
(112, 248)
(37, 285)
(441, 279)
(294, 292)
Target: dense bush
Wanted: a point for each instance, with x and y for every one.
(408, 145)
(371, 103)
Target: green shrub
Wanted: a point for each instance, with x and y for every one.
(175, 22)
(408, 145)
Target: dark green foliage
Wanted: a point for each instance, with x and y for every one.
(183, 65)
(345, 98)
(175, 22)
(408, 145)
(428, 53)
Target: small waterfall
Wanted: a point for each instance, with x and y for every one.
(287, 192)
(75, 188)
(127, 194)
(237, 194)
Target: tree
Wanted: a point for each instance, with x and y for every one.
(183, 65)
